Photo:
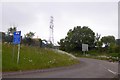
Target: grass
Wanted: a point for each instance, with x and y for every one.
(101, 56)
(32, 58)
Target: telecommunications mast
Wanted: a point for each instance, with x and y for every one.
(51, 38)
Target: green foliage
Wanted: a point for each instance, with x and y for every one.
(93, 53)
(27, 40)
(112, 48)
(30, 35)
(32, 58)
(98, 42)
(62, 44)
(76, 37)
(40, 42)
(9, 36)
(108, 40)
(97, 37)
(11, 30)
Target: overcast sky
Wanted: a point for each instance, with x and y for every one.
(101, 17)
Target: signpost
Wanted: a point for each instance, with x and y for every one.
(84, 47)
(17, 37)
(17, 40)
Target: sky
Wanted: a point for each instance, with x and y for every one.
(101, 17)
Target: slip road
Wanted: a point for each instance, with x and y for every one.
(87, 68)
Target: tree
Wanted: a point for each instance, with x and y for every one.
(40, 40)
(30, 35)
(27, 40)
(11, 30)
(2, 37)
(76, 37)
(108, 40)
(9, 36)
(62, 44)
(97, 37)
(98, 42)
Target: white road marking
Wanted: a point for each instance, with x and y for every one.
(115, 73)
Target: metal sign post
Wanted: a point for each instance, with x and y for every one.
(84, 47)
(18, 53)
(17, 40)
(13, 51)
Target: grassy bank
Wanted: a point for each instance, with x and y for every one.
(33, 58)
(97, 55)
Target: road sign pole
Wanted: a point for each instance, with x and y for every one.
(13, 52)
(16, 40)
(18, 53)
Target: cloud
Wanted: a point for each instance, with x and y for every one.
(27, 16)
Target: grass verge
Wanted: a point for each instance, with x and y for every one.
(32, 58)
(112, 57)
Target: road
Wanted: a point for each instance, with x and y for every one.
(88, 68)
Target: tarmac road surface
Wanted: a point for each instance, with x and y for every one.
(87, 68)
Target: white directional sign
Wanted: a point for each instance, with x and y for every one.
(84, 47)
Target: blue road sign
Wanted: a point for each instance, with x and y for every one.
(17, 37)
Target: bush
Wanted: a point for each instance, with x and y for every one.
(93, 52)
